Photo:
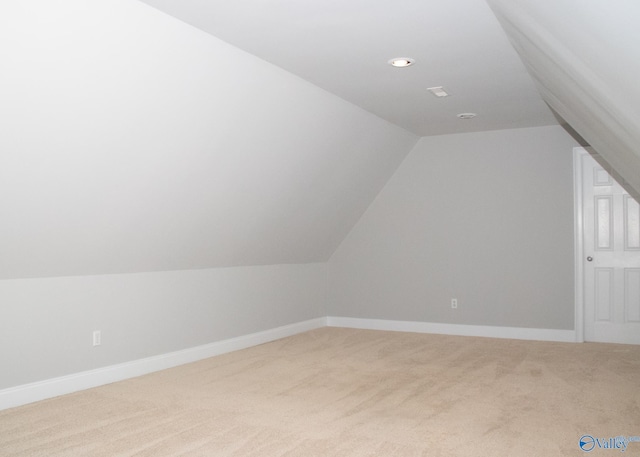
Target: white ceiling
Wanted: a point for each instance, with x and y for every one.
(343, 46)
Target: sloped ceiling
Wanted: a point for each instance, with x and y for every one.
(133, 142)
(343, 46)
(585, 59)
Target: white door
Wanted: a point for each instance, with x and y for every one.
(611, 228)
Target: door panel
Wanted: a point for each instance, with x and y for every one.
(632, 224)
(603, 293)
(604, 223)
(632, 295)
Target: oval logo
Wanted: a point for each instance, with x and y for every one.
(587, 443)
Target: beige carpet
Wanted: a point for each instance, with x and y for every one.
(343, 392)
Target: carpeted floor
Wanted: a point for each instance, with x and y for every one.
(345, 392)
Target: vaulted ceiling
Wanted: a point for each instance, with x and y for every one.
(134, 141)
(580, 57)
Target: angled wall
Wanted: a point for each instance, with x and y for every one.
(584, 57)
(141, 159)
(486, 218)
(133, 142)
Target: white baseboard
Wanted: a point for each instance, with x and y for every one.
(29, 393)
(566, 336)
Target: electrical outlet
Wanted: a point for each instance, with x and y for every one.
(454, 303)
(97, 338)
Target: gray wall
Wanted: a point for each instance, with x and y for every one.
(46, 324)
(484, 217)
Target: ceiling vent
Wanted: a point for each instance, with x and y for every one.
(438, 91)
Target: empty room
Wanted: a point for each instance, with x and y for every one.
(303, 228)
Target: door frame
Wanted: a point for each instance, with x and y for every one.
(578, 154)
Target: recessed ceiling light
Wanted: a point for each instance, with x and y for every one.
(438, 91)
(401, 62)
(467, 115)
